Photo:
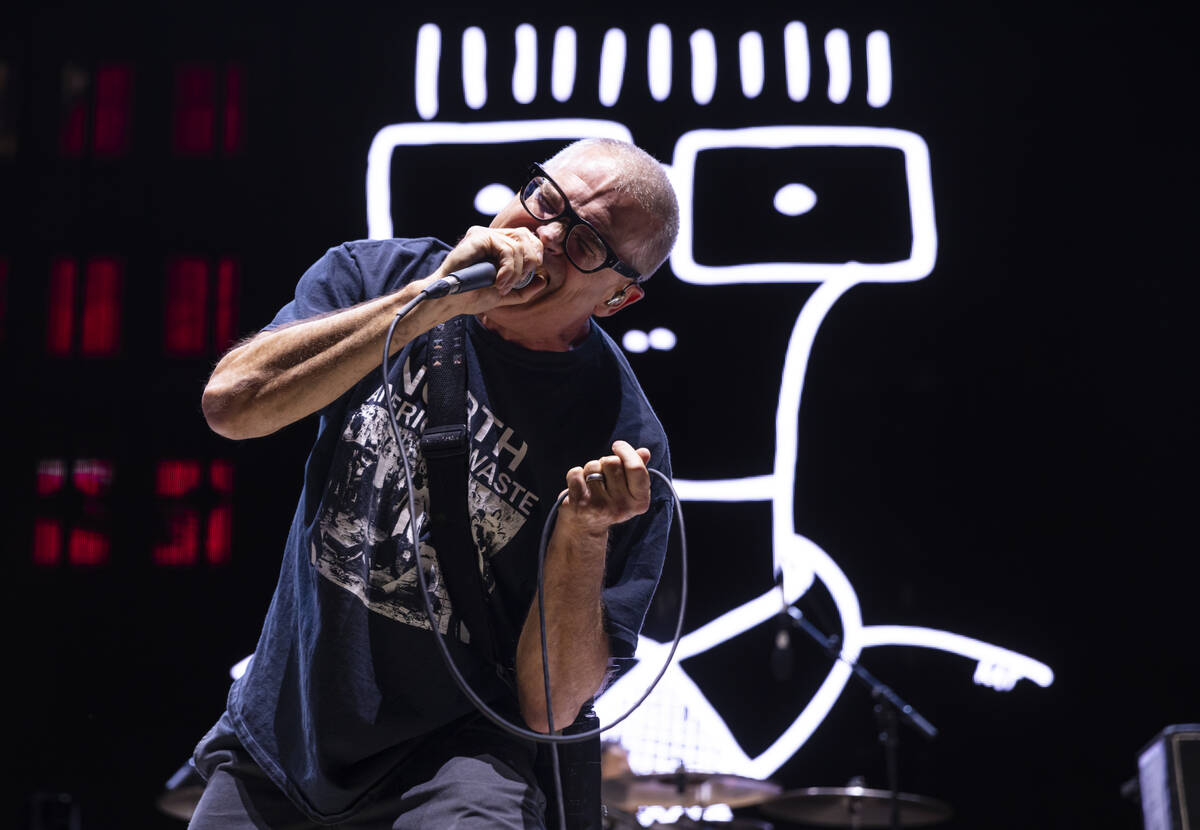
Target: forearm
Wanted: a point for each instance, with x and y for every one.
(577, 644)
(283, 375)
(600, 494)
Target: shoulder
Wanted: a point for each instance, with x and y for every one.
(383, 265)
(408, 245)
(387, 255)
(354, 272)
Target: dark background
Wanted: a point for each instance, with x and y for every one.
(1002, 449)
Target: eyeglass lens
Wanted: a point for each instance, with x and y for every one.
(543, 199)
(546, 202)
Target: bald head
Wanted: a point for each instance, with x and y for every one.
(644, 180)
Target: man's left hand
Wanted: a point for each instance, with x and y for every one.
(607, 491)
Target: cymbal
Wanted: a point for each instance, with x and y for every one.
(685, 789)
(854, 807)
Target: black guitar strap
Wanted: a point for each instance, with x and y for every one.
(444, 444)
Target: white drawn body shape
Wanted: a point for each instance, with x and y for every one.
(795, 556)
(678, 708)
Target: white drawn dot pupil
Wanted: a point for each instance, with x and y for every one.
(794, 199)
(492, 198)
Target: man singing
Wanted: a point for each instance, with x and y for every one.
(347, 713)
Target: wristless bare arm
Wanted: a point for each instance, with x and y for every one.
(283, 375)
(576, 640)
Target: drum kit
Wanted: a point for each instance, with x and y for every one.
(854, 806)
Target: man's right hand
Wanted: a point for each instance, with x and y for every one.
(514, 251)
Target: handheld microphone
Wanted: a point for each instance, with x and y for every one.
(471, 278)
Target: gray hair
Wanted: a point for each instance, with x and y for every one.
(644, 179)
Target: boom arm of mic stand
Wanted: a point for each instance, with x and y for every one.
(879, 690)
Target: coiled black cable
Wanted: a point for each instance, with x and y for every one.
(440, 288)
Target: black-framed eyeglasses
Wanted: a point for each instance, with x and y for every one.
(545, 201)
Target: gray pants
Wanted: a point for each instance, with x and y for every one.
(472, 779)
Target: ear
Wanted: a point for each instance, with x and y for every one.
(631, 295)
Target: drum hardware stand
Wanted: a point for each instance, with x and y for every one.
(889, 707)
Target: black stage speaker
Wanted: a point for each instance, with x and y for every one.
(1169, 779)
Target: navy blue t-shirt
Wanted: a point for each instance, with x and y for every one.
(346, 675)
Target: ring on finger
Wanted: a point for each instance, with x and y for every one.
(594, 477)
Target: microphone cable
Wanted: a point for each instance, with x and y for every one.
(439, 289)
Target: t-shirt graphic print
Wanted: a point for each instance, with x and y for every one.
(364, 544)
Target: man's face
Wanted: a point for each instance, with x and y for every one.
(589, 181)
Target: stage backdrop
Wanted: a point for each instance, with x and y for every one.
(919, 350)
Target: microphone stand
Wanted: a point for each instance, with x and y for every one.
(889, 708)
